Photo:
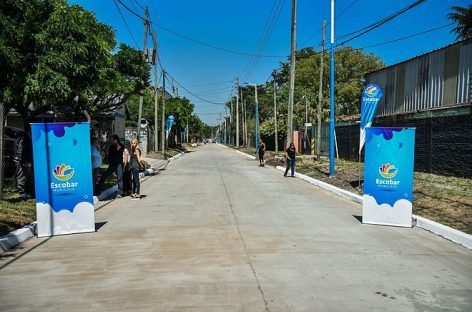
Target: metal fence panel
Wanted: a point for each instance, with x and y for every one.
(464, 76)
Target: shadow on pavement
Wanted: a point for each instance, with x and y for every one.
(98, 225)
(359, 218)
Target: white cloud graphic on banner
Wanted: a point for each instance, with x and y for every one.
(399, 214)
(82, 219)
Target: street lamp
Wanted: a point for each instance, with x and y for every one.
(257, 116)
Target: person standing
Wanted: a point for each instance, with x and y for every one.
(127, 188)
(135, 164)
(262, 148)
(96, 162)
(23, 160)
(115, 164)
(290, 155)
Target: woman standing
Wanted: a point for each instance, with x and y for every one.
(135, 164)
(290, 154)
(262, 149)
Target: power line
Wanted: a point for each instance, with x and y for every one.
(126, 24)
(195, 40)
(264, 39)
(407, 37)
(213, 46)
(338, 15)
(139, 4)
(190, 92)
(211, 84)
(130, 10)
(375, 25)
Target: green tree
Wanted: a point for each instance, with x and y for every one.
(462, 17)
(58, 58)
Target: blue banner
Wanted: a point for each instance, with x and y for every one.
(63, 178)
(170, 122)
(371, 96)
(388, 176)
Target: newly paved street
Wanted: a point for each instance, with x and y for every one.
(217, 233)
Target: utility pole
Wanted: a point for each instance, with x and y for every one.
(156, 144)
(331, 98)
(320, 95)
(2, 108)
(291, 89)
(141, 97)
(245, 119)
(305, 136)
(276, 137)
(257, 121)
(242, 116)
(163, 121)
(237, 112)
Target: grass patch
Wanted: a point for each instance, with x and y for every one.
(14, 211)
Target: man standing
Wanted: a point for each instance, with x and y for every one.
(115, 164)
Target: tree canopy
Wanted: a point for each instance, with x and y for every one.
(351, 65)
(57, 57)
(462, 17)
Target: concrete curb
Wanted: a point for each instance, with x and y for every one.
(444, 231)
(247, 155)
(447, 232)
(17, 237)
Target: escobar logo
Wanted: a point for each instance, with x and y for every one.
(63, 173)
(371, 91)
(387, 171)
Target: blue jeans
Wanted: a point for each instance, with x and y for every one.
(291, 165)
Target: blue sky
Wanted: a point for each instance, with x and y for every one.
(238, 25)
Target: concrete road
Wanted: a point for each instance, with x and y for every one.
(216, 232)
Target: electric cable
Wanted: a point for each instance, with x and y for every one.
(126, 24)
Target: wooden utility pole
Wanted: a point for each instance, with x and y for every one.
(141, 97)
(156, 145)
(276, 137)
(291, 90)
(320, 95)
(163, 121)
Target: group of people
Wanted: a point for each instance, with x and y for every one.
(289, 156)
(124, 161)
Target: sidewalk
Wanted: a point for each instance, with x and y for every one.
(19, 236)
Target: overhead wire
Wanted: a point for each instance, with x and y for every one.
(193, 94)
(363, 31)
(126, 24)
(337, 15)
(264, 39)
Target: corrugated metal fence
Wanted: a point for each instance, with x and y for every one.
(437, 79)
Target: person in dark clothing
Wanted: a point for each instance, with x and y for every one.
(115, 164)
(23, 160)
(135, 164)
(127, 187)
(262, 148)
(290, 155)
